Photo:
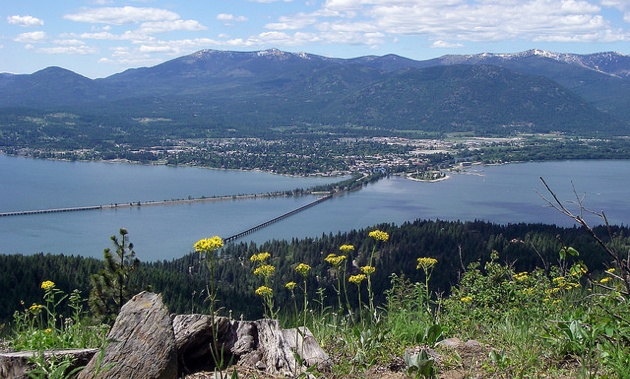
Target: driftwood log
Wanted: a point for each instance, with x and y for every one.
(16, 365)
(145, 342)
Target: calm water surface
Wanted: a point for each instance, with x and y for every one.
(501, 194)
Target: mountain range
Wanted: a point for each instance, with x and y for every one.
(210, 92)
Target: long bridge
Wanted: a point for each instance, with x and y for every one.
(276, 219)
(139, 204)
(52, 210)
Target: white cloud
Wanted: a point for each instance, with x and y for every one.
(68, 42)
(619, 4)
(230, 17)
(298, 21)
(70, 50)
(157, 49)
(24, 20)
(169, 26)
(445, 45)
(268, 1)
(122, 15)
(477, 20)
(31, 37)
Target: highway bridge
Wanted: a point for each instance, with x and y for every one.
(275, 219)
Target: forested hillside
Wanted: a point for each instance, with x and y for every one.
(183, 281)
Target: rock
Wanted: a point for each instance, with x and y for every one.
(15, 365)
(141, 344)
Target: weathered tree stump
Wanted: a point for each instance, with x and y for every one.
(16, 365)
(141, 344)
(260, 344)
(195, 342)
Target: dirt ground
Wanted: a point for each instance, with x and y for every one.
(456, 360)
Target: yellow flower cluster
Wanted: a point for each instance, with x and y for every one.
(426, 263)
(264, 270)
(48, 331)
(368, 270)
(379, 235)
(611, 270)
(261, 257)
(47, 285)
(35, 308)
(346, 248)
(303, 269)
(208, 245)
(521, 276)
(563, 284)
(335, 260)
(357, 279)
(466, 299)
(264, 291)
(290, 286)
(604, 280)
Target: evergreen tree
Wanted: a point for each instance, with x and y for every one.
(110, 286)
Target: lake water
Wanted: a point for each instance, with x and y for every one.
(501, 194)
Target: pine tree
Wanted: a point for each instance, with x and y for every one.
(110, 286)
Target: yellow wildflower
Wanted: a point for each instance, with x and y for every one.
(48, 331)
(559, 281)
(466, 299)
(303, 269)
(346, 248)
(208, 245)
(264, 291)
(290, 286)
(264, 270)
(35, 308)
(261, 257)
(48, 285)
(334, 259)
(611, 270)
(357, 279)
(521, 276)
(368, 270)
(426, 263)
(379, 235)
(604, 280)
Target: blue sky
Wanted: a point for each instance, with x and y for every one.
(97, 38)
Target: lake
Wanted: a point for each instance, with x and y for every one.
(502, 194)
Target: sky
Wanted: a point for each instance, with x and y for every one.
(98, 38)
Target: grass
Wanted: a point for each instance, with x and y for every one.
(559, 323)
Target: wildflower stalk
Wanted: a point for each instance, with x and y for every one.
(426, 265)
(207, 248)
(346, 249)
(378, 235)
(336, 261)
(357, 279)
(303, 269)
(265, 271)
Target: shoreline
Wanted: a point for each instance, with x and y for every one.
(127, 161)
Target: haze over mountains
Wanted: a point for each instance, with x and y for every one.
(246, 92)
